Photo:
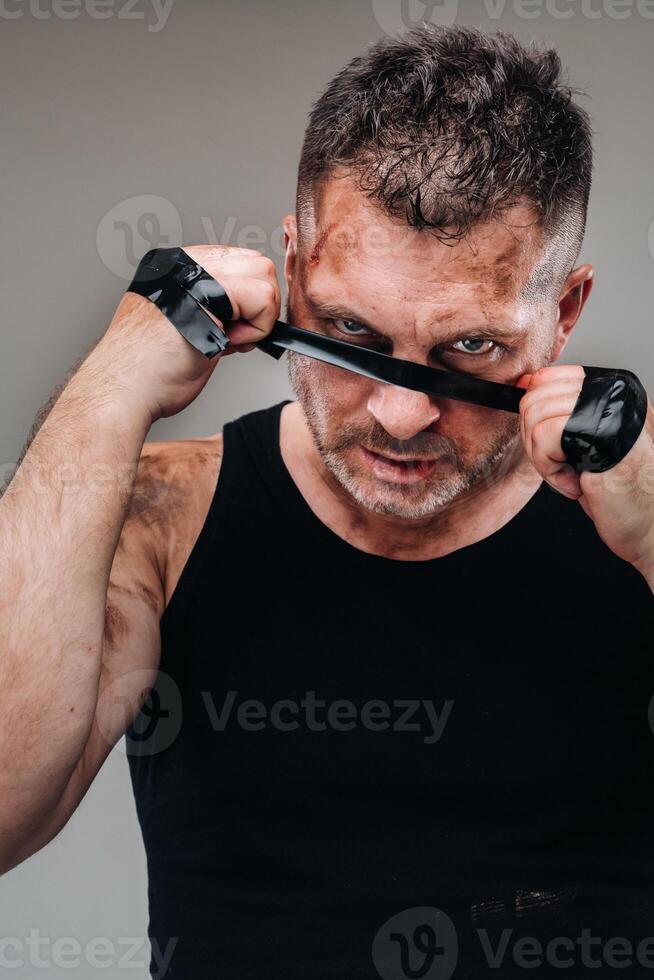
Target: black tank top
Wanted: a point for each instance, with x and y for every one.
(352, 766)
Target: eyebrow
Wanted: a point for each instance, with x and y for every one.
(334, 311)
(337, 312)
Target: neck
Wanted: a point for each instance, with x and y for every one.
(472, 516)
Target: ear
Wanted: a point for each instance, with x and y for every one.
(290, 247)
(574, 294)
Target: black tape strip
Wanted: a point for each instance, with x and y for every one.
(392, 370)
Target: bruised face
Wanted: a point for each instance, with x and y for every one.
(369, 279)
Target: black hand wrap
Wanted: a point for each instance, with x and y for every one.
(179, 287)
(608, 417)
(606, 420)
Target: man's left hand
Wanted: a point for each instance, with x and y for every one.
(620, 501)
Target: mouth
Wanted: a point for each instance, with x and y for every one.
(398, 470)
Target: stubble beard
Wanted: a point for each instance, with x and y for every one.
(409, 501)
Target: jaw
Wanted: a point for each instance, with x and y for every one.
(355, 483)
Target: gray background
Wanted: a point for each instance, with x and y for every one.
(207, 113)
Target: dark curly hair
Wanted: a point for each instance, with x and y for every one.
(449, 126)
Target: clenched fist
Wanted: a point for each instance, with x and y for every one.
(620, 501)
(148, 356)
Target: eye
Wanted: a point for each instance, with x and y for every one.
(474, 345)
(353, 329)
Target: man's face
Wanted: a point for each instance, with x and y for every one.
(371, 280)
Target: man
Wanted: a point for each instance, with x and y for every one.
(383, 660)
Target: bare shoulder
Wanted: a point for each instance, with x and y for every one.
(174, 485)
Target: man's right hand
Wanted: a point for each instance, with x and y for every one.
(146, 354)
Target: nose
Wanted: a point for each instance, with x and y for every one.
(403, 413)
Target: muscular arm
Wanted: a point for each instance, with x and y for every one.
(60, 519)
(171, 495)
(62, 584)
